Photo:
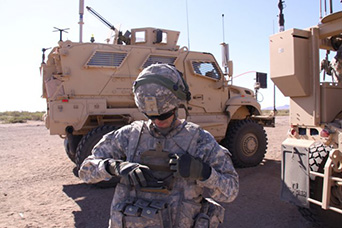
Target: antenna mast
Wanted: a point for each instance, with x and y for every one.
(187, 23)
(81, 12)
(281, 16)
(223, 26)
(226, 63)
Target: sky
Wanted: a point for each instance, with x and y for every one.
(27, 26)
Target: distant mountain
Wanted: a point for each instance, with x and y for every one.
(284, 107)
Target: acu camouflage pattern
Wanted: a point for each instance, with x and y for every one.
(166, 100)
(185, 197)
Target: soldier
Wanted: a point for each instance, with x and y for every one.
(164, 163)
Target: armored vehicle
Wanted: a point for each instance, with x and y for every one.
(302, 68)
(88, 91)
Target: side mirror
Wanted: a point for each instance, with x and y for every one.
(261, 78)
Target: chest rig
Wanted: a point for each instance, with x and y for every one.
(153, 151)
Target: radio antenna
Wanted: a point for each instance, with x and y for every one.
(281, 16)
(187, 23)
(60, 32)
(226, 63)
(81, 12)
(223, 26)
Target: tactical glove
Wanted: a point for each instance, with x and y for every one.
(187, 166)
(135, 173)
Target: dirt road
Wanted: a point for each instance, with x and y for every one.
(38, 187)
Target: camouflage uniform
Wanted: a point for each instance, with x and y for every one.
(180, 203)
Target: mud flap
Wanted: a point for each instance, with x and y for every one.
(295, 171)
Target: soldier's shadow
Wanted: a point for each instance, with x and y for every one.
(94, 203)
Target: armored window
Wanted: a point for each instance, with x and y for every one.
(207, 69)
(164, 38)
(152, 59)
(106, 59)
(140, 37)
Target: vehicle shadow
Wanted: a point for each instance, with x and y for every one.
(94, 203)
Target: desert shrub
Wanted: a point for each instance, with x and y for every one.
(282, 112)
(20, 116)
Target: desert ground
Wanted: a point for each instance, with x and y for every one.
(38, 187)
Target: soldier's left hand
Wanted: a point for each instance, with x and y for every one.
(187, 166)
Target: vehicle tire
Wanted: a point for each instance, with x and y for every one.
(318, 154)
(85, 147)
(89, 140)
(70, 145)
(246, 140)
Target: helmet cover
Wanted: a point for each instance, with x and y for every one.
(159, 89)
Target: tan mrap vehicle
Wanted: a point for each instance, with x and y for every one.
(312, 153)
(88, 91)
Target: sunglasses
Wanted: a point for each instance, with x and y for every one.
(162, 116)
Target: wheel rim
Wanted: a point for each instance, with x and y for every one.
(249, 144)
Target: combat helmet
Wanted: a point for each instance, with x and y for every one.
(159, 89)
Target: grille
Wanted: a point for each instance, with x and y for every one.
(106, 59)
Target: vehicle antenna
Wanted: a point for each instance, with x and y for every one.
(281, 16)
(81, 12)
(225, 51)
(60, 32)
(281, 29)
(223, 26)
(187, 24)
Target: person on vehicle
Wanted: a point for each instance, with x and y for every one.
(165, 163)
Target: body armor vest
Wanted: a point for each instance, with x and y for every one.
(181, 198)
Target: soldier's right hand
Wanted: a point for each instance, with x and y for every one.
(136, 174)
